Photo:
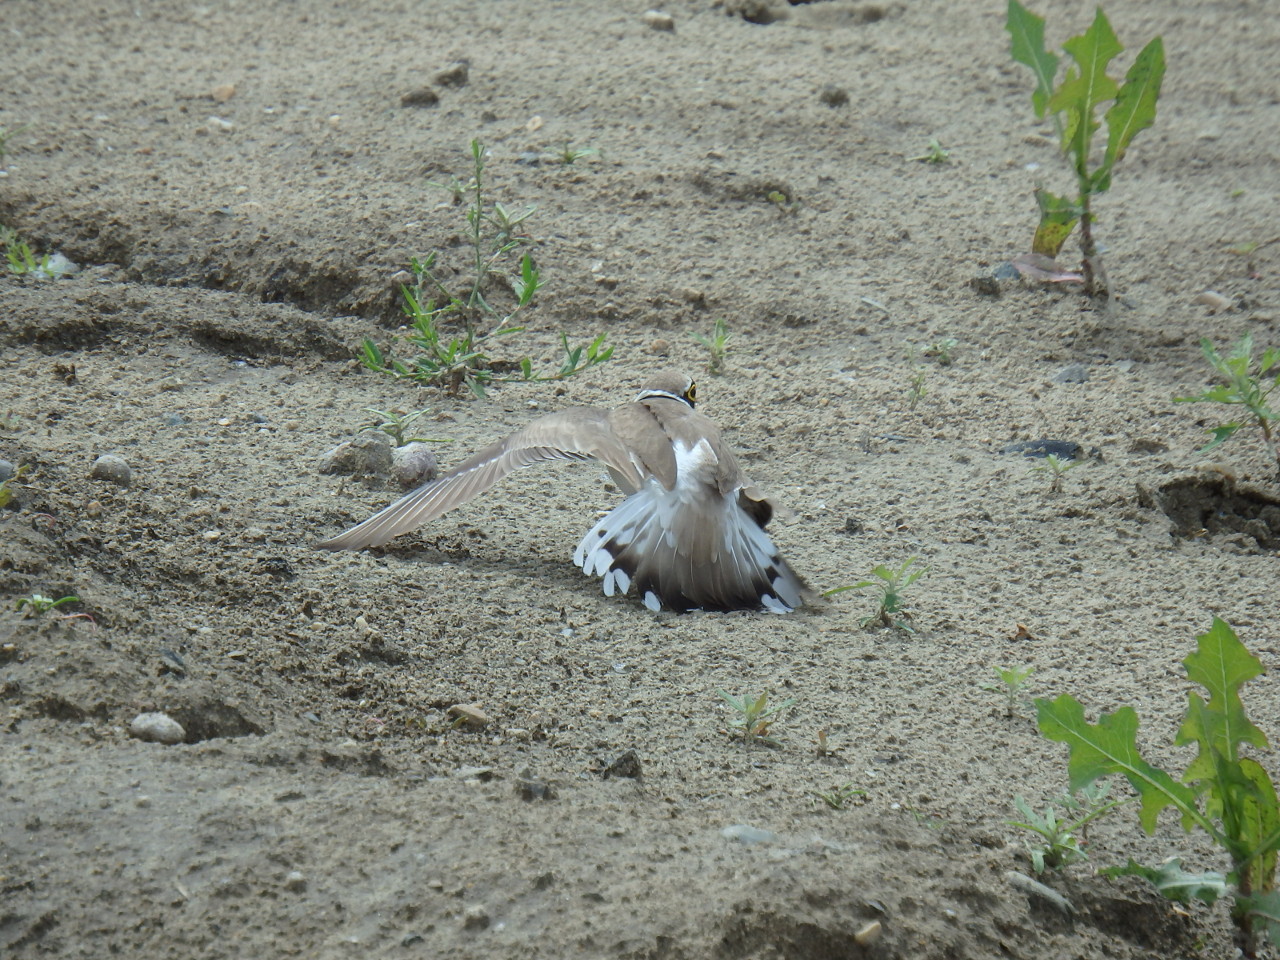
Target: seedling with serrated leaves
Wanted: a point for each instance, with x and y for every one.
(456, 360)
(754, 716)
(1063, 838)
(1224, 792)
(890, 583)
(1246, 388)
(1012, 680)
(717, 345)
(1055, 466)
(1072, 105)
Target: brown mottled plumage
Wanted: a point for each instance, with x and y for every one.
(690, 534)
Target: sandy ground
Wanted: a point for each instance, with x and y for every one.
(244, 186)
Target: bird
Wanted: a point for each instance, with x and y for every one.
(690, 534)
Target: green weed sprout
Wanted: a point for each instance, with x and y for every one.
(1224, 792)
(935, 153)
(1245, 388)
(569, 156)
(42, 604)
(839, 797)
(890, 583)
(6, 486)
(1012, 680)
(717, 345)
(452, 361)
(942, 350)
(755, 717)
(1056, 467)
(1062, 838)
(21, 260)
(396, 426)
(1072, 105)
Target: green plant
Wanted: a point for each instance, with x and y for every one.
(396, 426)
(21, 260)
(717, 344)
(569, 156)
(1062, 838)
(755, 716)
(6, 486)
(917, 391)
(1224, 792)
(1012, 679)
(462, 359)
(1245, 388)
(935, 153)
(942, 350)
(890, 583)
(1072, 105)
(5, 136)
(786, 205)
(42, 604)
(839, 797)
(1056, 467)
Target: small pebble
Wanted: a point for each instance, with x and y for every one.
(1214, 300)
(657, 20)
(747, 835)
(369, 453)
(469, 714)
(157, 728)
(414, 464)
(295, 882)
(659, 347)
(475, 917)
(455, 75)
(422, 97)
(483, 774)
(7, 470)
(112, 468)
(1072, 373)
(222, 92)
(833, 96)
(868, 934)
(530, 787)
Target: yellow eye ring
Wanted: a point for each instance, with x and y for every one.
(692, 393)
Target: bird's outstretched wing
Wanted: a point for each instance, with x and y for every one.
(579, 433)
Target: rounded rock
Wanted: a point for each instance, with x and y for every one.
(157, 728)
(7, 470)
(113, 469)
(414, 464)
(367, 454)
(658, 20)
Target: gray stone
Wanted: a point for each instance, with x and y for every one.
(1072, 373)
(414, 464)
(112, 468)
(157, 728)
(366, 455)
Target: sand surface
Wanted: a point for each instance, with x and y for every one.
(244, 185)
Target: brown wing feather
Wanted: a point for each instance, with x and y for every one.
(579, 433)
